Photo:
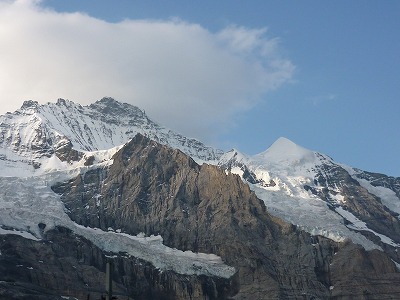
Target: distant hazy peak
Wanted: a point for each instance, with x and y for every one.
(114, 109)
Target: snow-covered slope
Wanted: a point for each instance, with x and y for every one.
(310, 190)
(67, 131)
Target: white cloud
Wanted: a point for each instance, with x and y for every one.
(184, 76)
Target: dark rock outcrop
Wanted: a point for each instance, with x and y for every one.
(65, 152)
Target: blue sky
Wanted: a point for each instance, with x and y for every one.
(340, 89)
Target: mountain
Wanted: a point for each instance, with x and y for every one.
(68, 131)
(312, 191)
(82, 185)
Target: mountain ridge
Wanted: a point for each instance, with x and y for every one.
(306, 177)
(68, 130)
(149, 179)
(300, 174)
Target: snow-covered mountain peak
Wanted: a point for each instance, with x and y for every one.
(283, 144)
(311, 190)
(29, 104)
(113, 111)
(282, 156)
(284, 151)
(285, 159)
(68, 130)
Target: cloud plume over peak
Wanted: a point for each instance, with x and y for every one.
(184, 76)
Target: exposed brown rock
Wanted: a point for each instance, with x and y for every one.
(359, 274)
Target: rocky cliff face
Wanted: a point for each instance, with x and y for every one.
(158, 190)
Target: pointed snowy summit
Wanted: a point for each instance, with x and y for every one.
(284, 148)
(284, 151)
